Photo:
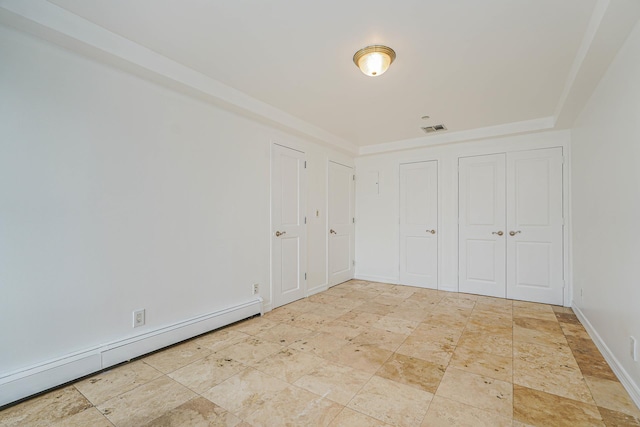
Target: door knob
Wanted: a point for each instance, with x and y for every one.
(278, 234)
(499, 233)
(332, 231)
(513, 233)
(431, 231)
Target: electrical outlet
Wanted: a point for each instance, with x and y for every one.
(256, 288)
(138, 318)
(633, 351)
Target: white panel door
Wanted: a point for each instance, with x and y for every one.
(534, 226)
(288, 232)
(419, 224)
(481, 228)
(341, 226)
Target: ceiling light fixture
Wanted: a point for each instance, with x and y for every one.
(374, 60)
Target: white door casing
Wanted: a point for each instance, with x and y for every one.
(288, 231)
(341, 233)
(481, 228)
(534, 226)
(419, 224)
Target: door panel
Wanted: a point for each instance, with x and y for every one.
(482, 202)
(419, 224)
(341, 226)
(534, 215)
(288, 232)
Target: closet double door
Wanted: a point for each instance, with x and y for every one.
(511, 225)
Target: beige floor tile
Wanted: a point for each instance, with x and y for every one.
(381, 338)
(320, 343)
(414, 314)
(360, 318)
(412, 371)
(438, 352)
(544, 354)
(534, 314)
(346, 303)
(145, 403)
(203, 374)
(337, 291)
(612, 395)
(335, 382)
(197, 412)
(446, 320)
(549, 326)
(589, 358)
(538, 337)
(109, 384)
(342, 330)
(281, 315)
(572, 330)
(554, 378)
(172, 358)
(284, 334)
(374, 307)
(217, 340)
(311, 321)
(250, 351)
(486, 364)
(429, 332)
(486, 343)
(446, 413)
(394, 324)
(46, 409)
(350, 418)
(255, 325)
(363, 295)
(289, 364)
(89, 417)
(457, 302)
(537, 408)
(365, 357)
(618, 419)
(477, 391)
(245, 392)
(295, 407)
(391, 402)
(534, 306)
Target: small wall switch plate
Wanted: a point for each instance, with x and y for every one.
(256, 288)
(633, 349)
(138, 318)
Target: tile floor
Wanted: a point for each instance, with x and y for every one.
(360, 354)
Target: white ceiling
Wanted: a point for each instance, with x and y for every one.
(466, 63)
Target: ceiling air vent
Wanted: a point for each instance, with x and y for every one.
(435, 128)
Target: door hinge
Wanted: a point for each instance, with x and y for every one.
(305, 219)
(305, 276)
(305, 164)
(353, 220)
(353, 262)
(354, 177)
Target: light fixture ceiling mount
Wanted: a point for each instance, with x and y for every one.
(374, 60)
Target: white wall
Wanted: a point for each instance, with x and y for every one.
(606, 207)
(118, 194)
(377, 228)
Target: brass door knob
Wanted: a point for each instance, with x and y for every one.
(513, 233)
(499, 233)
(431, 231)
(278, 233)
(332, 231)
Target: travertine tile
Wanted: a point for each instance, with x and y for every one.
(374, 308)
(360, 318)
(489, 365)
(342, 330)
(590, 359)
(544, 354)
(394, 324)
(289, 364)
(538, 337)
(537, 408)
(145, 403)
(217, 340)
(46, 409)
(203, 374)
(618, 419)
(391, 402)
(256, 325)
(477, 391)
(499, 345)
(365, 357)
(612, 395)
(250, 351)
(295, 407)
(445, 413)
(320, 343)
(335, 382)
(350, 418)
(437, 352)
(172, 358)
(89, 417)
(284, 334)
(245, 392)
(559, 379)
(414, 372)
(109, 384)
(380, 338)
(197, 412)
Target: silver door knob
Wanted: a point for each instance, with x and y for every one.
(513, 233)
(431, 231)
(499, 233)
(278, 233)
(332, 231)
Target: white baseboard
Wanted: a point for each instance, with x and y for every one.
(380, 279)
(35, 379)
(632, 388)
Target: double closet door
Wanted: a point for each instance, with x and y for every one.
(511, 225)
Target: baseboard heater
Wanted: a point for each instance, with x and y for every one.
(44, 376)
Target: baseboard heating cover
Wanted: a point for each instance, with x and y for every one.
(35, 379)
